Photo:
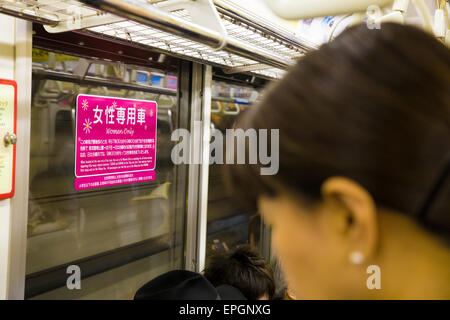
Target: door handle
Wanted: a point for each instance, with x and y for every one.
(9, 138)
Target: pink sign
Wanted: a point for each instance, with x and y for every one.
(115, 141)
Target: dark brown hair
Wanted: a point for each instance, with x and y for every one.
(243, 268)
(373, 106)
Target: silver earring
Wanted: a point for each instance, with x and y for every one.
(356, 258)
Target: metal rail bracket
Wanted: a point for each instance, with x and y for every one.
(203, 12)
(79, 21)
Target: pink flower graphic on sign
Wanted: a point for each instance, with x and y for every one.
(114, 104)
(87, 126)
(85, 105)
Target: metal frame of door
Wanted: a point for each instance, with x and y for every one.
(197, 197)
(15, 64)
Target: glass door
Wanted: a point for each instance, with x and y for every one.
(120, 237)
(229, 224)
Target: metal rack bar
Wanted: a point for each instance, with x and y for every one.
(151, 16)
(28, 16)
(264, 26)
(252, 67)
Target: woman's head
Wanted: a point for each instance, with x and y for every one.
(364, 126)
(243, 268)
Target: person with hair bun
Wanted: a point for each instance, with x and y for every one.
(360, 206)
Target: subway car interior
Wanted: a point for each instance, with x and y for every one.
(204, 63)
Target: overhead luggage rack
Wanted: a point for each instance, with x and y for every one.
(48, 12)
(247, 45)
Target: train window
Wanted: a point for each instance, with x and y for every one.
(120, 236)
(229, 225)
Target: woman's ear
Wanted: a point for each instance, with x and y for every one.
(355, 216)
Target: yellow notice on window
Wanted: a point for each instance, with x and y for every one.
(8, 97)
(44, 56)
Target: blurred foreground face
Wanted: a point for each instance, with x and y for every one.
(312, 249)
(316, 243)
(313, 256)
